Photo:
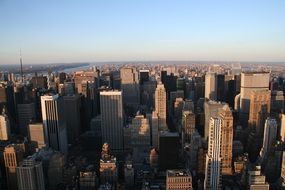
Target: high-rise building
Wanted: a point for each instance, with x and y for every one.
(54, 122)
(211, 109)
(178, 179)
(13, 155)
(283, 170)
(250, 81)
(160, 106)
(4, 126)
(129, 174)
(111, 106)
(259, 109)
(256, 181)
(30, 175)
(226, 139)
(130, 86)
(72, 106)
(213, 158)
(210, 86)
(36, 135)
(269, 137)
(188, 125)
(26, 114)
(220, 87)
(144, 76)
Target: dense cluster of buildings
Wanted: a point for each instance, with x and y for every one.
(143, 126)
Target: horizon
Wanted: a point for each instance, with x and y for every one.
(70, 32)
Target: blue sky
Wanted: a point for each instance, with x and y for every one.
(55, 31)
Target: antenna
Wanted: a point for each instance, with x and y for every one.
(22, 76)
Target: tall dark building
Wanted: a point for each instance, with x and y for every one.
(220, 87)
(163, 75)
(143, 76)
(62, 77)
(168, 150)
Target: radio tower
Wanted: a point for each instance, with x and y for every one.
(21, 66)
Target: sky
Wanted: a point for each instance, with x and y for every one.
(65, 31)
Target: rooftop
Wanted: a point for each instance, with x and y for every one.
(178, 173)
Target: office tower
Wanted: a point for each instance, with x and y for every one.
(211, 109)
(69, 88)
(36, 135)
(177, 109)
(226, 139)
(130, 86)
(111, 106)
(148, 94)
(108, 167)
(170, 83)
(256, 181)
(168, 149)
(129, 175)
(178, 179)
(250, 81)
(180, 84)
(160, 106)
(4, 126)
(269, 137)
(72, 105)
(54, 122)
(39, 82)
(277, 102)
(210, 86)
(163, 75)
(30, 175)
(220, 87)
(7, 100)
(85, 76)
(191, 151)
(188, 125)
(144, 76)
(282, 130)
(259, 109)
(140, 138)
(213, 158)
(13, 155)
(87, 180)
(26, 114)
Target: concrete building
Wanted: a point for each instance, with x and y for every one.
(54, 122)
(160, 106)
(111, 106)
(13, 155)
(30, 175)
(260, 101)
(178, 179)
(226, 139)
(269, 137)
(251, 81)
(210, 86)
(4, 126)
(36, 135)
(213, 158)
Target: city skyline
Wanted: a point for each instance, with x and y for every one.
(68, 31)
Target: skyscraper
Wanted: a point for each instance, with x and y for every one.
(210, 86)
(54, 122)
(269, 137)
(188, 125)
(259, 109)
(30, 175)
(250, 81)
(130, 86)
(4, 126)
(160, 106)
(111, 106)
(226, 139)
(213, 157)
(282, 130)
(13, 155)
(178, 179)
